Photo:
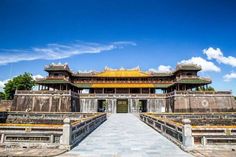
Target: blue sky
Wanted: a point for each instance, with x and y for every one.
(92, 34)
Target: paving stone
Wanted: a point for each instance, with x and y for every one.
(124, 135)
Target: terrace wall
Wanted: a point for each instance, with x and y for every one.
(46, 101)
(200, 102)
(179, 101)
(5, 105)
(155, 102)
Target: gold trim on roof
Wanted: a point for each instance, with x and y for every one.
(123, 73)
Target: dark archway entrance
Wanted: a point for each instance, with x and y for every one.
(122, 106)
(143, 105)
(101, 105)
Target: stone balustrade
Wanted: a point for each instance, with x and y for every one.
(46, 130)
(59, 92)
(169, 129)
(107, 96)
(75, 132)
(191, 129)
(176, 93)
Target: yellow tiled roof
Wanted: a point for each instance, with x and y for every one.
(122, 73)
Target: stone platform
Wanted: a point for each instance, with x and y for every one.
(124, 135)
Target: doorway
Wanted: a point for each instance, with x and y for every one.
(122, 106)
(101, 106)
(143, 105)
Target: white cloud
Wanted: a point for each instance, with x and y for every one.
(205, 65)
(35, 77)
(229, 77)
(2, 84)
(161, 68)
(218, 55)
(86, 71)
(58, 51)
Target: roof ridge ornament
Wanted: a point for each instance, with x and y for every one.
(108, 69)
(122, 68)
(137, 68)
(187, 65)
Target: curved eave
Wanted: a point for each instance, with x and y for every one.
(119, 85)
(52, 82)
(57, 69)
(193, 81)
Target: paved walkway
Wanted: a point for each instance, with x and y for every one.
(124, 135)
(29, 152)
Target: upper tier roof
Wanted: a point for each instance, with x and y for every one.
(122, 73)
(188, 67)
(57, 67)
(135, 72)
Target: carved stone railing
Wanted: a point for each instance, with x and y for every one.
(48, 130)
(30, 135)
(18, 92)
(179, 93)
(75, 132)
(107, 96)
(186, 77)
(46, 92)
(85, 95)
(174, 127)
(176, 132)
(44, 115)
(213, 115)
(116, 81)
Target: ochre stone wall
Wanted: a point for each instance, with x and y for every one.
(54, 101)
(45, 103)
(201, 103)
(170, 104)
(5, 105)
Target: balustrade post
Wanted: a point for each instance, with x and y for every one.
(203, 141)
(188, 142)
(67, 134)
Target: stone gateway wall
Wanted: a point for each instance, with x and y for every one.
(45, 102)
(156, 105)
(67, 101)
(88, 105)
(153, 105)
(201, 102)
(5, 105)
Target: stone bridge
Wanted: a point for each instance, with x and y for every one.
(125, 135)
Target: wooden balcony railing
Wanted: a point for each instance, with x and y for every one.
(151, 82)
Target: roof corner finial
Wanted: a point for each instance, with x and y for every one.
(106, 68)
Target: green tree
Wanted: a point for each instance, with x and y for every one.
(2, 96)
(21, 82)
(209, 88)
